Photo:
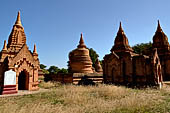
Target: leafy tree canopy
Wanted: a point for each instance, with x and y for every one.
(63, 70)
(93, 55)
(53, 69)
(143, 48)
(42, 66)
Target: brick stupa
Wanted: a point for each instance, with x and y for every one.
(98, 67)
(79, 59)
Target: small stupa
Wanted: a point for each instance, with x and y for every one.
(79, 59)
(98, 67)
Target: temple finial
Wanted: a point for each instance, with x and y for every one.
(120, 24)
(159, 27)
(120, 28)
(35, 50)
(18, 21)
(81, 39)
(81, 42)
(5, 46)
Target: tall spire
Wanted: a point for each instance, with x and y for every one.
(121, 43)
(81, 42)
(120, 28)
(160, 40)
(17, 36)
(35, 50)
(159, 29)
(18, 21)
(5, 47)
(81, 39)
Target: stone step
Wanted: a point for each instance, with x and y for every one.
(9, 92)
(95, 81)
(9, 88)
(75, 80)
(166, 82)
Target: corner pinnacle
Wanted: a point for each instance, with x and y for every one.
(35, 50)
(5, 47)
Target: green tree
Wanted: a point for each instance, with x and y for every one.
(63, 70)
(143, 48)
(53, 70)
(93, 56)
(43, 67)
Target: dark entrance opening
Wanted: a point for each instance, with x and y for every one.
(113, 72)
(23, 81)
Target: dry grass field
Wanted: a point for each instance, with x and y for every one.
(89, 99)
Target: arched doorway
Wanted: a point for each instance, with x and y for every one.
(23, 80)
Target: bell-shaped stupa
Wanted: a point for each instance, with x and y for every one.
(98, 67)
(79, 59)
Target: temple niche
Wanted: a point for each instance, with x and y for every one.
(17, 57)
(123, 66)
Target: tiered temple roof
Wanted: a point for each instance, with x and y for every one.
(160, 40)
(17, 37)
(121, 43)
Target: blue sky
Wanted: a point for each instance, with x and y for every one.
(55, 25)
